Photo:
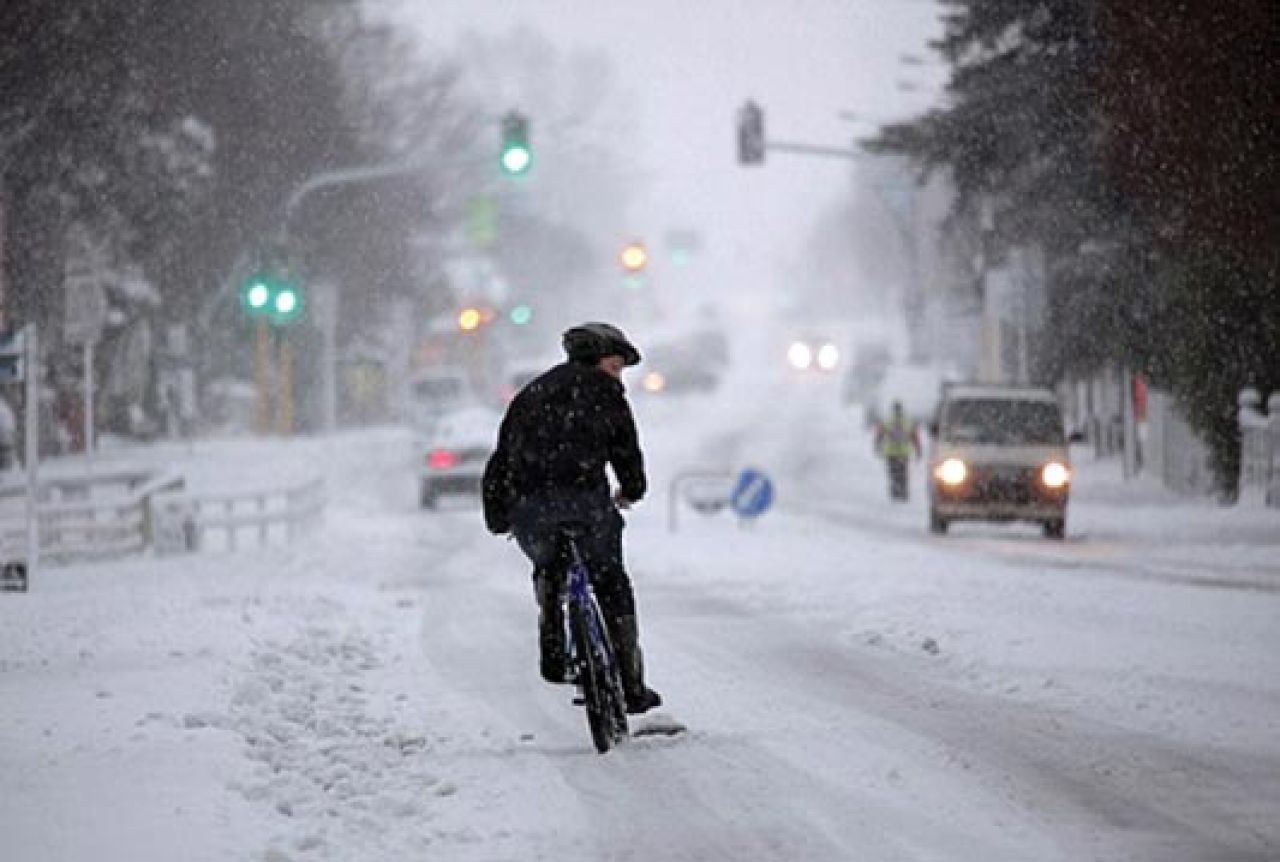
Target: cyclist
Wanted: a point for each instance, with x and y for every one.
(558, 434)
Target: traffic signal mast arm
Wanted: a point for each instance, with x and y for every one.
(812, 150)
(753, 143)
(344, 176)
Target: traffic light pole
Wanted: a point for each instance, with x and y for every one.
(286, 385)
(905, 223)
(262, 374)
(345, 176)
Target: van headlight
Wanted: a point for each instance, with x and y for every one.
(951, 472)
(1055, 475)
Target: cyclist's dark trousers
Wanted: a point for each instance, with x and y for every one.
(601, 550)
(897, 466)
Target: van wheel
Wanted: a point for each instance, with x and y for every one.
(427, 496)
(937, 523)
(1055, 529)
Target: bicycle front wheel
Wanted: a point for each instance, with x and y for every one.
(601, 685)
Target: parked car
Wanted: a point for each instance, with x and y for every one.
(454, 452)
(999, 453)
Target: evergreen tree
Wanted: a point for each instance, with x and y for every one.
(1134, 143)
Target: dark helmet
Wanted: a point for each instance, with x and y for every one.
(590, 342)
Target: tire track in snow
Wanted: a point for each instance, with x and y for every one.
(1099, 790)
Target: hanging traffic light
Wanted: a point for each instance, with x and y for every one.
(515, 155)
(469, 319)
(633, 257)
(521, 315)
(255, 293)
(750, 134)
(272, 296)
(286, 305)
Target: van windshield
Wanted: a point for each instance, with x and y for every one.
(1001, 420)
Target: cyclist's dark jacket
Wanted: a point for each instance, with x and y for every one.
(559, 433)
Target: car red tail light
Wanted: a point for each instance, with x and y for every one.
(441, 459)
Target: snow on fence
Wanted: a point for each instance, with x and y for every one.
(100, 516)
(194, 522)
(1259, 447)
(117, 513)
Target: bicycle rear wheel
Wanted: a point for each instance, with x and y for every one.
(601, 685)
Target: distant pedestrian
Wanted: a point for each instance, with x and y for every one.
(898, 439)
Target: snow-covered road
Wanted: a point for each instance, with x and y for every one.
(854, 688)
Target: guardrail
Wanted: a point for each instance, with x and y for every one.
(188, 522)
(707, 491)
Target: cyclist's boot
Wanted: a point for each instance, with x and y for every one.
(552, 661)
(640, 698)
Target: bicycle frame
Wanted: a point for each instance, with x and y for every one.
(577, 591)
(596, 672)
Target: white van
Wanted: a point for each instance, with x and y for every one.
(999, 454)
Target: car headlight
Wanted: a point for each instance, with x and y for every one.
(828, 357)
(800, 355)
(1055, 475)
(951, 472)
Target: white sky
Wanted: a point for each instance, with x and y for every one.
(690, 65)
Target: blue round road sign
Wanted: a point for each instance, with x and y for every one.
(752, 494)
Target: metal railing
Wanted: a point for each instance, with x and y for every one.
(102, 516)
(195, 522)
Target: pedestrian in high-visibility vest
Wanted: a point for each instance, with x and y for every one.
(897, 439)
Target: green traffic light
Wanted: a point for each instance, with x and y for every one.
(258, 296)
(516, 160)
(286, 302)
(521, 315)
(515, 156)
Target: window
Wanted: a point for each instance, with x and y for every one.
(1002, 420)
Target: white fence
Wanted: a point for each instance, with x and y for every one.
(114, 514)
(1259, 448)
(85, 517)
(194, 522)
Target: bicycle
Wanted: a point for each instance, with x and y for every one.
(590, 658)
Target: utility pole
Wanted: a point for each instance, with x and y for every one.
(326, 306)
(262, 374)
